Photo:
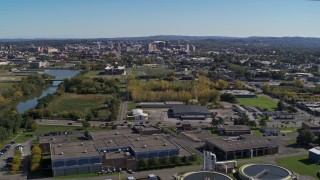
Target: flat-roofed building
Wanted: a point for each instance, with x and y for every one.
(244, 146)
(75, 158)
(109, 150)
(240, 93)
(191, 112)
(314, 154)
(233, 130)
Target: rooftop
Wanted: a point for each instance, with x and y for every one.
(73, 150)
(247, 141)
(235, 128)
(180, 109)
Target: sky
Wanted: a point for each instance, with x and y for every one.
(132, 18)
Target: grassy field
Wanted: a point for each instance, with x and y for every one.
(78, 102)
(5, 85)
(300, 164)
(257, 132)
(93, 73)
(261, 101)
(131, 105)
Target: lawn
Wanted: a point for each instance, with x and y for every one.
(260, 101)
(256, 132)
(78, 102)
(131, 105)
(6, 85)
(93, 73)
(300, 164)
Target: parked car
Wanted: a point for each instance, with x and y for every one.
(130, 171)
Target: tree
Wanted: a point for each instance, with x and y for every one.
(217, 121)
(280, 106)
(85, 124)
(165, 161)
(227, 97)
(89, 116)
(305, 137)
(36, 155)
(185, 159)
(176, 160)
(154, 162)
(291, 109)
(143, 163)
(265, 87)
(32, 125)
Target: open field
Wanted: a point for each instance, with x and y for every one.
(300, 164)
(6, 85)
(261, 101)
(93, 73)
(78, 102)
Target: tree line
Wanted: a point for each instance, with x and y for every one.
(202, 89)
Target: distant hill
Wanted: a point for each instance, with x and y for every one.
(308, 42)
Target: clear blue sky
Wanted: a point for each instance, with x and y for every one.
(118, 18)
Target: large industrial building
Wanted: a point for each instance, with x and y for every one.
(110, 150)
(190, 112)
(244, 146)
(233, 130)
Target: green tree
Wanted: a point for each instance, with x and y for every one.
(227, 97)
(305, 137)
(85, 124)
(217, 121)
(165, 161)
(143, 163)
(280, 106)
(176, 160)
(154, 162)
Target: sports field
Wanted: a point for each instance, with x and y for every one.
(261, 101)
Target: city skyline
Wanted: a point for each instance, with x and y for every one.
(125, 18)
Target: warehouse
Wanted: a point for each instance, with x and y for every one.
(244, 146)
(190, 112)
(75, 158)
(110, 150)
(233, 130)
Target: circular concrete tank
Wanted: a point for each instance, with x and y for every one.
(204, 175)
(264, 172)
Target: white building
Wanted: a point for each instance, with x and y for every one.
(139, 115)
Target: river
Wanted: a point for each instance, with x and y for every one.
(33, 101)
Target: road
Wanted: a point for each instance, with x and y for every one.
(53, 122)
(122, 110)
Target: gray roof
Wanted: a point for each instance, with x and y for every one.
(186, 109)
(235, 128)
(247, 141)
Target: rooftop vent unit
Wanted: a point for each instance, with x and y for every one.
(145, 146)
(60, 145)
(137, 139)
(85, 151)
(117, 133)
(81, 144)
(110, 141)
(165, 144)
(61, 153)
(157, 137)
